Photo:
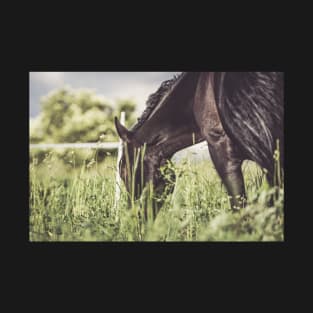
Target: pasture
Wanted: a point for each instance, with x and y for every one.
(77, 203)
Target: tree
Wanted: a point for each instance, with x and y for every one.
(80, 115)
(70, 115)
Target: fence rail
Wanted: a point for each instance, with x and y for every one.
(91, 145)
(87, 145)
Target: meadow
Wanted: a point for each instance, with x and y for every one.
(77, 203)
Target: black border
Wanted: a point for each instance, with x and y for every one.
(63, 40)
(120, 252)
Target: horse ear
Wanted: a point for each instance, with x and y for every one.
(122, 131)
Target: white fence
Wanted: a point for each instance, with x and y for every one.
(88, 145)
(109, 146)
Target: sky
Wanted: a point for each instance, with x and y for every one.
(112, 85)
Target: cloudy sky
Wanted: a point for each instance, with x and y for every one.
(112, 85)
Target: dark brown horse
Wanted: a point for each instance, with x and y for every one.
(239, 115)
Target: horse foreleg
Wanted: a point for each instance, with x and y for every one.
(228, 165)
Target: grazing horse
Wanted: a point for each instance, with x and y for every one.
(238, 114)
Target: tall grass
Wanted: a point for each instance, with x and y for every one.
(77, 204)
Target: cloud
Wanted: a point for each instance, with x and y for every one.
(138, 91)
(112, 85)
(48, 78)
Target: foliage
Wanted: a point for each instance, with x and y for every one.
(76, 115)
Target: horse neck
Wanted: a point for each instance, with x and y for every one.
(175, 108)
(160, 133)
(175, 144)
(147, 133)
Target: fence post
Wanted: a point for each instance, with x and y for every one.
(118, 178)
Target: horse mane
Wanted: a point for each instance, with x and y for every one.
(251, 107)
(154, 99)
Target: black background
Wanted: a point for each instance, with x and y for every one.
(158, 269)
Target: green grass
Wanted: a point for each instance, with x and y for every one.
(77, 204)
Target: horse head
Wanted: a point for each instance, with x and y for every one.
(141, 163)
(166, 126)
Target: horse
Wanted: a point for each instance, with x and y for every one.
(239, 114)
